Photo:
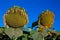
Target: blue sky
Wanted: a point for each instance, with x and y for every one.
(33, 8)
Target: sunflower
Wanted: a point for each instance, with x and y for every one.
(16, 17)
(46, 19)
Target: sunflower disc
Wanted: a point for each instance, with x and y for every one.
(46, 19)
(16, 17)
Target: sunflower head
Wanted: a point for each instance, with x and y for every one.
(46, 19)
(16, 17)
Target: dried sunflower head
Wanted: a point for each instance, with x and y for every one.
(16, 17)
(46, 19)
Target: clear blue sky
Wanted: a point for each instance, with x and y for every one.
(33, 8)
